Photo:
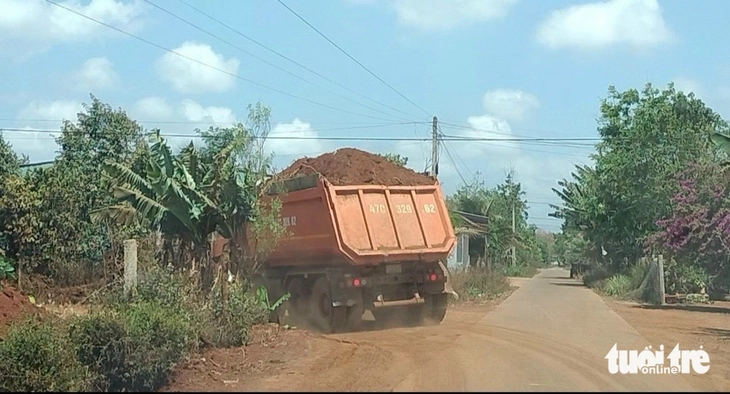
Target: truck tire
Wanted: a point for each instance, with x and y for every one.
(324, 316)
(435, 308)
(415, 315)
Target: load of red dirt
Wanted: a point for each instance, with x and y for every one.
(14, 307)
(349, 166)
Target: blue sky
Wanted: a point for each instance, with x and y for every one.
(486, 68)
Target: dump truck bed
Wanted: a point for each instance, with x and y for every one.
(361, 225)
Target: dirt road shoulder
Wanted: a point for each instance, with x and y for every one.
(689, 326)
(295, 360)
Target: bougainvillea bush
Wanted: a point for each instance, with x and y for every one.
(696, 237)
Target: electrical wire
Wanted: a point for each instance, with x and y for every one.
(290, 59)
(443, 138)
(266, 61)
(351, 58)
(211, 66)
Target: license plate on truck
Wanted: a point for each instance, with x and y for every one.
(393, 269)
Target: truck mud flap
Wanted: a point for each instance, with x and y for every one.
(448, 289)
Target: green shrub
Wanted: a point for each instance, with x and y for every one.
(245, 310)
(479, 284)
(100, 342)
(617, 285)
(7, 270)
(134, 348)
(595, 277)
(519, 271)
(37, 356)
(637, 273)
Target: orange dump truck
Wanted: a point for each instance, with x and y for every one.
(354, 248)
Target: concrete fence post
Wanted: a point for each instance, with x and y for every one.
(662, 290)
(130, 266)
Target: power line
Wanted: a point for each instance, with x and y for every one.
(210, 66)
(213, 123)
(263, 60)
(290, 59)
(443, 138)
(456, 167)
(351, 58)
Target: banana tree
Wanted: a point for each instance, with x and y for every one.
(170, 195)
(722, 141)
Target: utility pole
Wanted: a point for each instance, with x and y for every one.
(514, 230)
(435, 148)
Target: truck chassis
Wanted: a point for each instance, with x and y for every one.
(333, 298)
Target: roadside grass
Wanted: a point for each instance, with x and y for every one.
(478, 284)
(616, 285)
(519, 271)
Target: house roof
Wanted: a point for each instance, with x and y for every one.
(473, 224)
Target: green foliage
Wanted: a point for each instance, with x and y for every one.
(45, 222)
(38, 356)
(479, 284)
(617, 285)
(395, 158)
(698, 299)
(595, 276)
(520, 271)
(682, 278)
(7, 271)
(232, 329)
(498, 205)
(134, 348)
(637, 273)
(263, 297)
(613, 208)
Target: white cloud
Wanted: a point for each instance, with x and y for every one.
(32, 26)
(510, 104)
(96, 74)
(688, 85)
(51, 110)
(197, 113)
(538, 168)
(41, 115)
(445, 14)
(158, 109)
(637, 23)
(190, 77)
(290, 147)
(153, 109)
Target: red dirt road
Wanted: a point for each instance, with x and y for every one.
(552, 334)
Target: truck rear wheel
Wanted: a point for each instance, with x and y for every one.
(435, 308)
(325, 317)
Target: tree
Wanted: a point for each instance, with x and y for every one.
(198, 193)
(647, 137)
(10, 162)
(497, 205)
(67, 246)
